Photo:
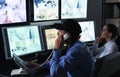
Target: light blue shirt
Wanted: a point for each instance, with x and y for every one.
(107, 49)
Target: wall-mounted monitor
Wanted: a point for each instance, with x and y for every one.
(88, 31)
(50, 35)
(73, 9)
(22, 40)
(14, 11)
(45, 10)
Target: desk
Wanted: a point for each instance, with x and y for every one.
(22, 73)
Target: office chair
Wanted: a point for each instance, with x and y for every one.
(107, 66)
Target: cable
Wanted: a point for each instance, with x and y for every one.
(47, 58)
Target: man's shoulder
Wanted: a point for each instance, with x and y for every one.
(80, 44)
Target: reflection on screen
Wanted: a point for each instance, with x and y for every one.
(45, 9)
(88, 32)
(51, 35)
(73, 9)
(24, 40)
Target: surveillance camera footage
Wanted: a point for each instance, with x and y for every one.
(12, 11)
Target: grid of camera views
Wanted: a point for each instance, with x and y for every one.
(24, 40)
(12, 11)
(51, 36)
(45, 9)
(88, 31)
(73, 9)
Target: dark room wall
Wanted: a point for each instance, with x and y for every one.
(95, 13)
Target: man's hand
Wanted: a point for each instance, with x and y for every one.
(32, 65)
(59, 42)
(99, 39)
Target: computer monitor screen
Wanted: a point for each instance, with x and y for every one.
(88, 31)
(45, 10)
(50, 35)
(21, 40)
(13, 11)
(73, 9)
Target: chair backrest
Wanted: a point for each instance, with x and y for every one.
(107, 66)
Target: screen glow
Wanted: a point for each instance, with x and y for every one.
(88, 31)
(13, 11)
(22, 40)
(73, 9)
(45, 10)
(51, 36)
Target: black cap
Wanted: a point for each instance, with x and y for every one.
(69, 25)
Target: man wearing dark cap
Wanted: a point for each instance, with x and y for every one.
(77, 62)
